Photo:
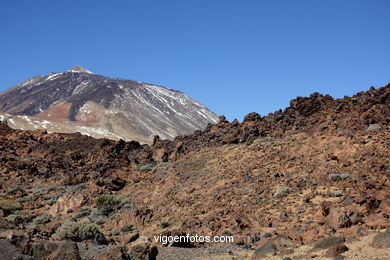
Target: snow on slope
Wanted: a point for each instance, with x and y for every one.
(110, 106)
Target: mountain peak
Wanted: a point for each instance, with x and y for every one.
(77, 101)
(78, 69)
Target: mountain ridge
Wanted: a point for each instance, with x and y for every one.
(127, 108)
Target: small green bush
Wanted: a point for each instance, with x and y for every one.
(264, 140)
(10, 206)
(107, 203)
(80, 231)
(283, 191)
(336, 193)
(114, 232)
(54, 198)
(334, 177)
(147, 168)
(83, 212)
(16, 190)
(127, 228)
(43, 219)
(80, 186)
(13, 218)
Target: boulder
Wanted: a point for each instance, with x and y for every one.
(262, 252)
(9, 251)
(114, 253)
(336, 250)
(142, 251)
(381, 240)
(116, 183)
(329, 242)
(41, 250)
(66, 251)
(65, 203)
(337, 219)
(376, 221)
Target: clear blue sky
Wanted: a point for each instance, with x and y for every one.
(233, 56)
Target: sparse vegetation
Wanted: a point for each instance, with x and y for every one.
(13, 218)
(336, 193)
(147, 168)
(113, 233)
(264, 140)
(281, 192)
(164, 224)
(338, 177)
(17, 190)
(80, 231)
(10, 206)
(80, 186)
(127, 228)
(83, 212)
(334, 177)
(43, 219)
(54, 199)
(107, 203)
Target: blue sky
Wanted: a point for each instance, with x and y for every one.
(233, 56)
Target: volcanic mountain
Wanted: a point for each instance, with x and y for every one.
(79, 101)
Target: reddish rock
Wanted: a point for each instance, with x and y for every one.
(329, 242)
(65, 203)
(66, 251)
(376, 221)
(381, 240)
(143, 251)
(114, 253)
(336, 250)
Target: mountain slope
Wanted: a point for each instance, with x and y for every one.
(79, 101)
(308, 182)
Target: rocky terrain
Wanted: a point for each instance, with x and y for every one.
(79, 101)
(311, 181)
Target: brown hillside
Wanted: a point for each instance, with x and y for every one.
(319, 169)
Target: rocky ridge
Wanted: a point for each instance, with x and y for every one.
(311, 180)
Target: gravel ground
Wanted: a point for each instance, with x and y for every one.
(175, 253)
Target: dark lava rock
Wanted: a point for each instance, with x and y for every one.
(329, 242)
(9, 251)
(40, 250)
(55, 251)
(66, 251)
(252, 117)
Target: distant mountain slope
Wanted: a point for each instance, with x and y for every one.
(79, 101)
